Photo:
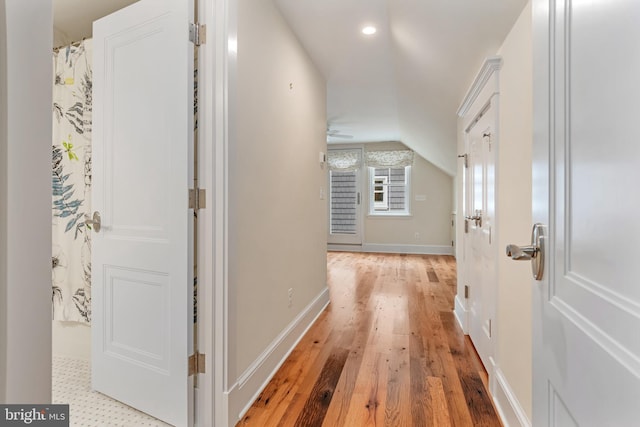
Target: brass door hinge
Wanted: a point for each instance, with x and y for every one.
(466, 291)
(197, 198)
(196, 364)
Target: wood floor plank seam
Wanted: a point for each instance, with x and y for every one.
(387, 351)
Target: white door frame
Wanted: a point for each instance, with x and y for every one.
(484, 86)
(216, 60)
(484, 90)
(218, 66)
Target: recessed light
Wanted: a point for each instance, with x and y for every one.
(369, 30)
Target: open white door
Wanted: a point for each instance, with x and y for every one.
(480, 258)
(586, 308)
(141, 290)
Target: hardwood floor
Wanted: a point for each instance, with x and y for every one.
(386, 352)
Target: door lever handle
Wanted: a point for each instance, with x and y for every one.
(535, 252)
(522, 253)
(476, 218)
(95, 222)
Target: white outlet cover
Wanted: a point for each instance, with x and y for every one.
(421, 198)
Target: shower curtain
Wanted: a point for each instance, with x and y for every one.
(71, 183)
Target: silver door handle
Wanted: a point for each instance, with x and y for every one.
(522, 253)
(534, 252)
(477, 218)
(95, 223)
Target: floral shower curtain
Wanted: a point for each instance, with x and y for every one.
(71, 183)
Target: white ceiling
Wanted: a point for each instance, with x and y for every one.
(404, 83)
(74, 18)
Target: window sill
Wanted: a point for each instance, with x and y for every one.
(390, 215)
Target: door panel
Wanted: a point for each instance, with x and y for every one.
(480, 256)
(141, 276)
(587, 308)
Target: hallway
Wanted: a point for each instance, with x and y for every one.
(386, 352)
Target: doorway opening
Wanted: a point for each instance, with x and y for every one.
(72, 220)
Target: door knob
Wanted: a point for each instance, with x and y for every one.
(534, 252)
(95, 223)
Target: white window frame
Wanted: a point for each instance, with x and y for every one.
(382, 205)
(375, 207)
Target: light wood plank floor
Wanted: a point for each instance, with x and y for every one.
(386, 352)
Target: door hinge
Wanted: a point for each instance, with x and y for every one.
(196, 364)
(466, 159)
(466, 225)
(489, 328)
(197, 198)
(197, 33)
(466, 291)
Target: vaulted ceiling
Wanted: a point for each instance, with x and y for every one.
(403, 83)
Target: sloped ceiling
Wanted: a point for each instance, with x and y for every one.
(406, 82)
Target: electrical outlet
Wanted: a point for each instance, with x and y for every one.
(416, 236)
(321, 193)
(290, 295)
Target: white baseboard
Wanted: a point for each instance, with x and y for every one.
(245, 391)
(509, 408)
(394, 249)
(344, 248)
(462, 314)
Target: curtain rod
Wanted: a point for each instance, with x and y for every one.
(76, 44)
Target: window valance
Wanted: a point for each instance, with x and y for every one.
(343, 160)
(389, 159)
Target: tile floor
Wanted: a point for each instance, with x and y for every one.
(72, 385)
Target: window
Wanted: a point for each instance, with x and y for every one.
(389, 191)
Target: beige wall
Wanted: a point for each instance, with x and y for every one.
(25, 201)
(277, 221)
(431, 218)
(514, 208)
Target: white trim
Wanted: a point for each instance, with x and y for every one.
(394, 249)
(256, 377)
(491, 64)
(408, 249)
(462, 314)
(508, 406)
(216, 61)
(344, 248)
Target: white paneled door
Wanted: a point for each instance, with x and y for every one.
(141, 289)
(479, 248)
(586, 311)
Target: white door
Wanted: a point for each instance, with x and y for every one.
(480, 255)
(345, 197)
(141, 278)
(586, 310)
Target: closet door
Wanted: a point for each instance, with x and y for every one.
(141, 289)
